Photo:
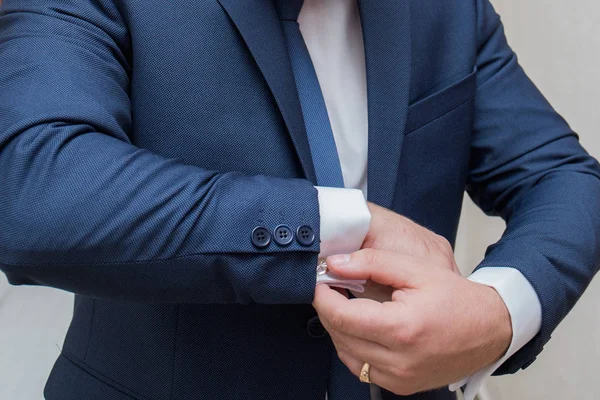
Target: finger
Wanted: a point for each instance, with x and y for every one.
(376, 292)
(362, 349)
(353, 364)
(341, 291)
(384, 267)
(364, 318)
(326, 297)
(376, 374)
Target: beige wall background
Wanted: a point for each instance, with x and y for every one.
(559, 45)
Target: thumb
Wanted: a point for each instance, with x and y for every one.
(384, 267)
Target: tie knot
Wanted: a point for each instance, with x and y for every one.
(288, 9)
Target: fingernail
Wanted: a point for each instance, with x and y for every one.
(339, 259)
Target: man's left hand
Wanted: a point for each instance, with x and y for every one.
(438, 328)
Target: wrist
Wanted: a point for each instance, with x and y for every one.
(496, 323)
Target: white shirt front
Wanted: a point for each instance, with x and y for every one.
(333, 34)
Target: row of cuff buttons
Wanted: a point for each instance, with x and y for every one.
(283, 236)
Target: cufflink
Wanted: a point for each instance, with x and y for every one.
(322, 267)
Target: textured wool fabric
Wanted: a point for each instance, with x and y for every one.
(342, 384)
(140, 146)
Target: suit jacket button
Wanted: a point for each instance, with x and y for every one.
(305, 235)
(315, 328)
(261, 237)
(528, 363)
(283, 235)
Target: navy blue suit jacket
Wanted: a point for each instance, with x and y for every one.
(141, 142)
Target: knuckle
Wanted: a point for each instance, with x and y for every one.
(426, 245)
(444, 249)
(414, 332)
(399, 373)
(400, 339)
(444, 245)
(406, 335)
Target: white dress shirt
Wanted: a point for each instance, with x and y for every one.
(333, 34)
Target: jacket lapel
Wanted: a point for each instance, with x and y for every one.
(387, 37)
(259, 25)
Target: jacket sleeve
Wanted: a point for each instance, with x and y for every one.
(528, 167)
(84, 210)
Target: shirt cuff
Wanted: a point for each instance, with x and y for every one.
(525, 311)
(357, 286)
(345, 220)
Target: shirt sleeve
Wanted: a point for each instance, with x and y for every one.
(345, 220)
(525, 312)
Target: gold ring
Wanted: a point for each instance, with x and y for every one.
(364, 373)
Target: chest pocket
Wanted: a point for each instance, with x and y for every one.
(435, 157)
(440, 103)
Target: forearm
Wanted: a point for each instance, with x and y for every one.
(98, 216)
(528, 167)
(553, 239)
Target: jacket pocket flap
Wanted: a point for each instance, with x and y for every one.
(441, 102)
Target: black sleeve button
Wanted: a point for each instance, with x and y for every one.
(283, 235)
(261, 237)
(305, 235)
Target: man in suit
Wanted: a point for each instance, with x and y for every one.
(183, 166)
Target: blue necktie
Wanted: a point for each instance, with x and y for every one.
(342, 384)
(316, 120)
